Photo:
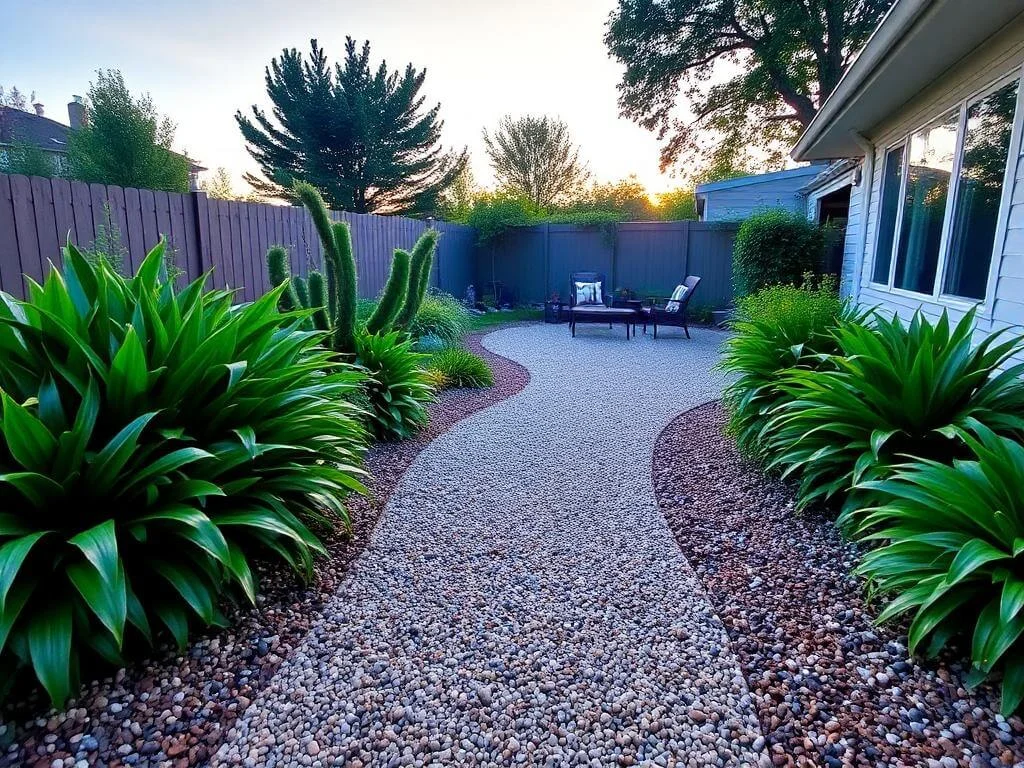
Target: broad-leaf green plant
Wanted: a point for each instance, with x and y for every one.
(397, 389)
(950, 553)
(151, 442)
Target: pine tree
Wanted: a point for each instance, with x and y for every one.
(357, 134)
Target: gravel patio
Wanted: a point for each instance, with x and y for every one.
(523, 601)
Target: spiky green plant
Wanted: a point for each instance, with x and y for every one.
(397, 388)
(421, 260)
(390, 303)
(778, 327)
(893, 389)
(314, 295)
(280, 272)
(461, 368)
(951, 553)
(151, 440)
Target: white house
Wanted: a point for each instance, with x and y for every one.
(735, 199)
(928, 118)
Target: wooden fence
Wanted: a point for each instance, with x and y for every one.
(37, 215)
(651, 258)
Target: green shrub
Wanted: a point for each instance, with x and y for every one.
(777, 328)
(461, 368)
(441, 315)
(390, 303)
(397, 387)
(893, 390)
(152, 441)
(952, 547)
(775, 247)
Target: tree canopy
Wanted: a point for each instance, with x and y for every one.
(125, 141)
(754, 72)
(359, 135)
(536, 158)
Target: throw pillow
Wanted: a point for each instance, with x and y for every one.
(589, 293)
(677, 295)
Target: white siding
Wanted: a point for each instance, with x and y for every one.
(740, 202)
(1001, 55)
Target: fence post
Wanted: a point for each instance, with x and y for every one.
(615, 257)
(203, 260)
(547, 263)
(686, 247)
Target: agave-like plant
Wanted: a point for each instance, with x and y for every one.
(397, 388)
(952, 553)
(777, 328)
(893, 389)
(151, 441)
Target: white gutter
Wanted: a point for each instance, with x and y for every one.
(886, 36)
(867, 182)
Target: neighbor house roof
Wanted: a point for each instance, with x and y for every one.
(19, 125)
(832, 172)
(758, 178)
(916, 42)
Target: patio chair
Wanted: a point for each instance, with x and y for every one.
(595, 309)
(673, 312)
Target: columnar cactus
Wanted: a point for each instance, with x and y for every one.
(419, 277)
(391, 299)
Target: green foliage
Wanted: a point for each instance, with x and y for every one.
(461, 368)
(30, 160)
(152, 442)
(394, 294)
(777, 328)
(892, 390)
(442, 316)
(536, 159)
(313, 293)
(775, 247)
(397, 388)
(491, 319)
(125, 141)
(951, 539)
(421, 261)
(677, 205)
(358, 134)
(494, 214)
(791, 54)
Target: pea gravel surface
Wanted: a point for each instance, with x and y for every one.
(522, 600)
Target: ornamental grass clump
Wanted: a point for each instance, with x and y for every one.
(397, 389)
(151, 443)
(892, 390)
(950, 552)
(440, 315)
(777, 328)
(461, 368)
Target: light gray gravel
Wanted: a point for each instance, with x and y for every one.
(523, 601)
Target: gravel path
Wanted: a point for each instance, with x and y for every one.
(831, 688)
(522, 601)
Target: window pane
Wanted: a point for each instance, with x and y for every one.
(979, 190)
(930, 161)
(891, 174)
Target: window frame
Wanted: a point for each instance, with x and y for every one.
(985, 305)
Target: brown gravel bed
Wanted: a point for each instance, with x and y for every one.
(173, 710)
(830, 687)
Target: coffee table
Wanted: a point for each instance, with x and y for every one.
(598, 313)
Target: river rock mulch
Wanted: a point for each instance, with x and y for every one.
(173, 710)
(830, 687)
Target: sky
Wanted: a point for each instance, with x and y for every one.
(202, 61)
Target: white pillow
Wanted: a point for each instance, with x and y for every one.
(677, 295)
(589, 293)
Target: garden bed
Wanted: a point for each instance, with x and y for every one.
(830, 687)
(173, 710)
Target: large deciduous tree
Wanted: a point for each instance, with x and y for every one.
(535, 157)
(125, 141)
(754, 72)
(359, 135)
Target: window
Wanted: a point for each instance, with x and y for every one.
(929, 165)
(940, 199)
(892, 173)
(979, 191)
